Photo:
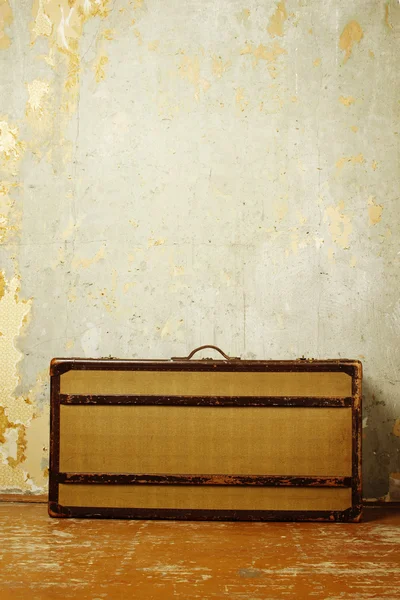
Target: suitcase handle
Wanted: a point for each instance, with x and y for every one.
(202, 348)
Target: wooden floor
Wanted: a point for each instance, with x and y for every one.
(43, 558)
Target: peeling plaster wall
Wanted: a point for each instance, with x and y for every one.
(179, 173)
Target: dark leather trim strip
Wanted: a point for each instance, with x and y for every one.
(59, 366)
(54, 437)
(241, 480)
(217, 401)
(357, 438)
(348, 515)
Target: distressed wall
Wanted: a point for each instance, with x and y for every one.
(179, 173)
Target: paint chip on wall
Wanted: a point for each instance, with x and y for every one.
(269, 54)
(340, 226)
(37, 90)
(14, 314)
(6, 18)
(351, 34)
(358, 159)
(99, 67)
(275, 26)
(374, 211)
(11, 147)
(347, 100)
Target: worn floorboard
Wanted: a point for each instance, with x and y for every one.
(43, 558)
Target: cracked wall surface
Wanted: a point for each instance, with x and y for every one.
(180, 173)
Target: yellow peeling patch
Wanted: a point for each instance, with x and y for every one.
(4, 425)
(2, 284)
(21, 440)
(108, 296)
(317, 62)
(12, 479)
(281, 209)
(189, 69)
(70, 229)
(65, 17)
(11, 148)
(99, 67)
(275, 26)
(84, 263)
(137, 4)
(340, 226)
(40, 116)
(352, 160)
(387, 16)
(177, 270)
(42, 25)
(38, 91)
(374, 211)
(153, 46)
(6, 18)
(138, 36)
(243, 16)
(269, 54)
(49, 58)
(396, 428)
(351, 34)
(219, 67)
(371, 54)
(347, 100)
(58, 17)
(240, 99)
(354, 128)
(154, 242)
(374, 165)
(36, 447)
(13, 315)
(172, 329)
(62, 22)
(9, 217)
(108, 34)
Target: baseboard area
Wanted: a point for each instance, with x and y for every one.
(32, 498)
(381, 504)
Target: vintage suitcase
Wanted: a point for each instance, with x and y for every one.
(224, 439)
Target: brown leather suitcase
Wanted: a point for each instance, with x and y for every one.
(225, 439)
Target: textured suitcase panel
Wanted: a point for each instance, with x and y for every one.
(203, 439)
(250, 440)
(206, 497)
(192, 383)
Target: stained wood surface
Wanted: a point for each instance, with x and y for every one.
(43, 558)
